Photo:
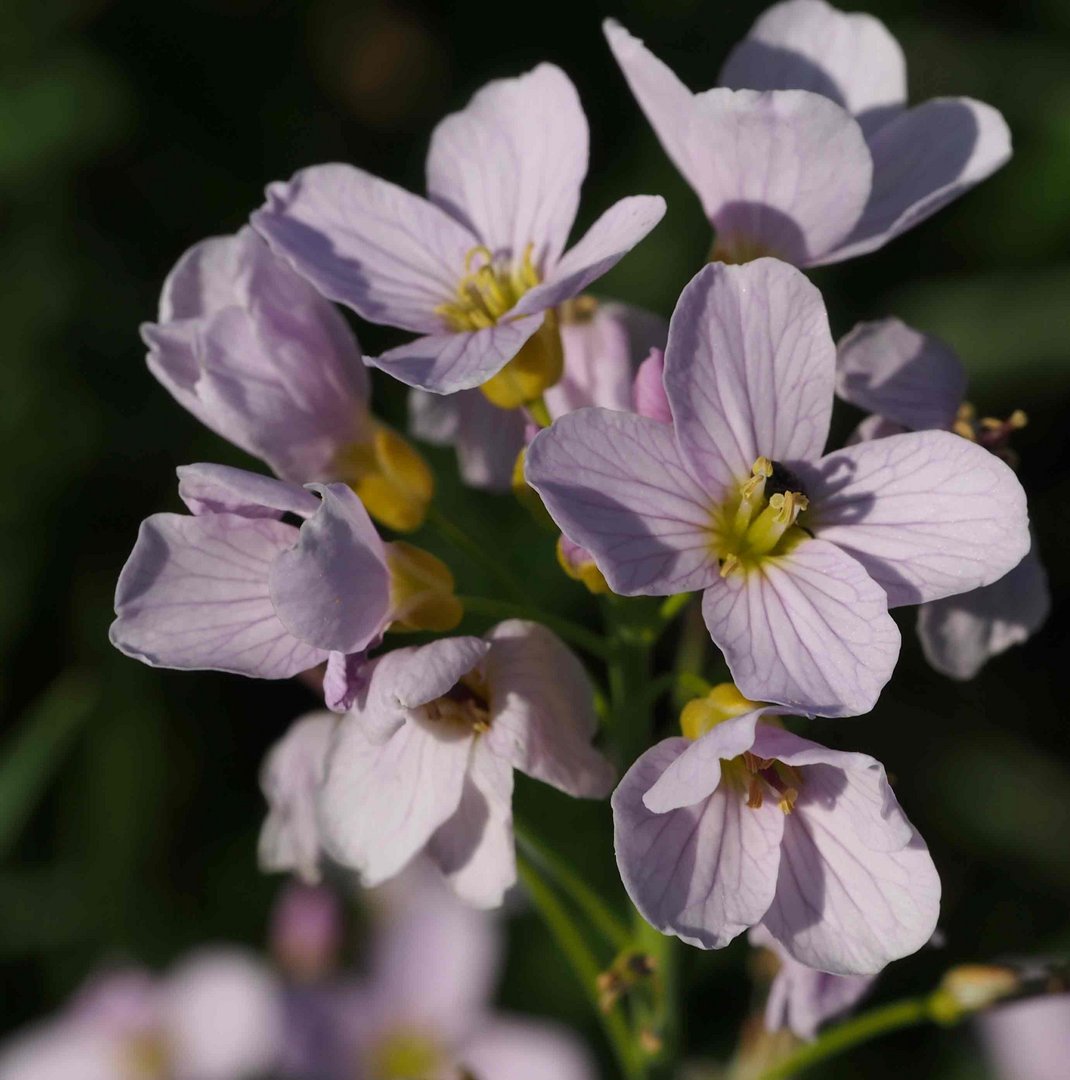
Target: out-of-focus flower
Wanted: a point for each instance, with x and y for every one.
(742, 824)
(236, 587)
(799, 556)
(802, 998)
(603, 343)
(425, 759)
(256, 354)
(215, 1016)
(306, 931)
(911, 381)
(477, 268)
(1028, 1040)
(808, 151)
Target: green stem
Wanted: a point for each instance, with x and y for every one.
(845, 1036)
(582, 895)
(691, 653)
(585, 966)
(564, 628)
(671, 607)
(478, 553)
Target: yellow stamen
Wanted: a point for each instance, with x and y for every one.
(488, 289)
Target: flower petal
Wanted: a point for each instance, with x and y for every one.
(648, 390)
(928, 514)
(408, 678)
(922, 160)
(696, 773)
(615, 484)
(510, 165)
(705, 872)
(910, 378)
(333, 589)
(222, 489)
(542, 710)
(749, 369)
(842, 907)
(809, 45)
(600, 248)
(194, 594)
(383, 800)
(447, 362)
(389, 255)
(523, 1049)
(475, 847)
(809, 630)
(960, 634)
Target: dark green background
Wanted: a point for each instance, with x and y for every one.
(129, 130)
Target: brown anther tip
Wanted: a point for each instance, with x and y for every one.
(1017, 419)
(650, 1042)
(642, 964)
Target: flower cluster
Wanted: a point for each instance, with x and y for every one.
(691, 458)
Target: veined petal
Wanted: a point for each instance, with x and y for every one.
(194, 594)
(749, 369)
(383, 800)
(333, 589)
(222, 489)
(928, 513)
(809, 45)
(510, 165)
(843, 907)
(522, 1049)
(615, 483)
(922, 160)
(542, 710)
(389, 255)
(604, 244)
(408, 678)
(960, 634)
(475, 847)
(809, 630)
(696, 773)
(705, 872)
(907, 377)
(446, 362)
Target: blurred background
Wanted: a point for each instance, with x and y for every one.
(128, 131)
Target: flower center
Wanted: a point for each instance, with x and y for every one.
(763, 778)
(466, 705)
(489, 288)
(989, 431)
(406, 1055)
(146, 1056)
(760, 520)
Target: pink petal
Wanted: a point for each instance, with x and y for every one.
(222, 489)
(809, 630)
(333, 589)
(648, 390)
(922, 160)
(1027, 1040)
(749, 369)
(542, 710)
(705, 872)
(390, 255)
(408, 678)
(511, 163)
(809, 45)
(907, 377)
(615, 483)
(524, 1049)
(194, 594)
(960, 634)
(929, 514)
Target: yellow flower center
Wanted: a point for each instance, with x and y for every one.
(488, 289)
(466, 706)
(390, 478)
(146, 1056)
(407, 1055)
(421, 590)
(759, 520)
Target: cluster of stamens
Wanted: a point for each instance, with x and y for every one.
(989, 431)
(488, 289)
(761, 522)
(768, 773)
(466, 705)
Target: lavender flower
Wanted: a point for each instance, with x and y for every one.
(425, 759)
(799, 555)
(743, 824)
(808, 152)
(914, 382)
(235, 587)
(256, 354)
(476, 269)
(1028, 1040)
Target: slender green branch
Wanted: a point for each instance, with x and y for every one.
(564, 628)
(478, 553)
(585, 966)
(671, 607)
(585, 898)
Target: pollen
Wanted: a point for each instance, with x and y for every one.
(488, 289)
(989, 431)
